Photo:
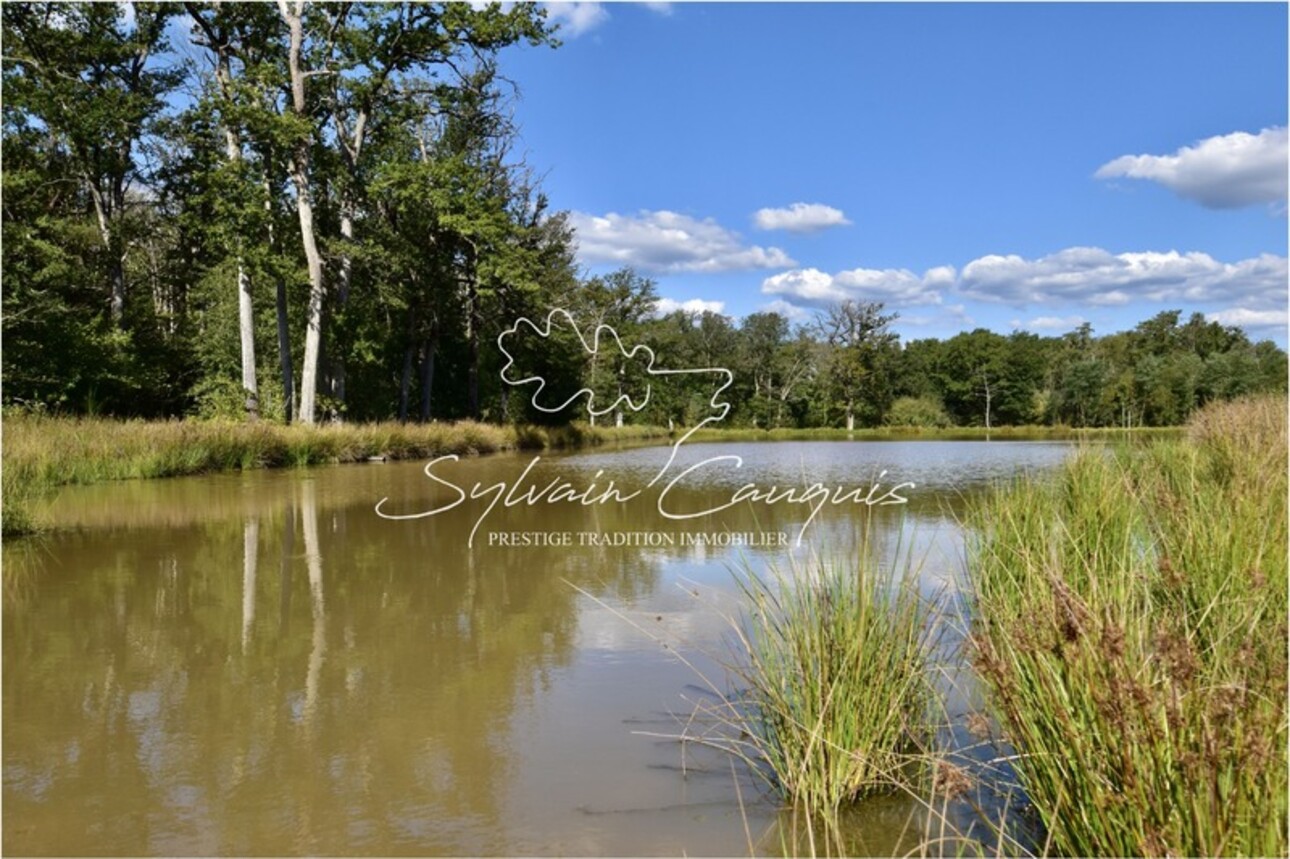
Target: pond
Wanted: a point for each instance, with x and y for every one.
(259, 663)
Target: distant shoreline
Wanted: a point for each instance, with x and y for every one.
(41, 453)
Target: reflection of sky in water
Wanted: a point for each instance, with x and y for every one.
(931, 465)
(428, 698)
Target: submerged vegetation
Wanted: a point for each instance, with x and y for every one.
(1131, 622)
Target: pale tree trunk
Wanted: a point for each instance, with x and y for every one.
(284, 338)
(352, 146)
(245, 307)
(246, 327)
(591, 402)
(618, 410)
(246, 323)
(293, 15)
(344, 273)
(116, 298)
(313, 319)
(988, 397)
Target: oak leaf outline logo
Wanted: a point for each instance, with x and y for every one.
(545, 329)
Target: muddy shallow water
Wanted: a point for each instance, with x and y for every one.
(259, 663)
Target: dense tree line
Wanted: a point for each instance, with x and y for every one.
(846, 368)
(316, 211)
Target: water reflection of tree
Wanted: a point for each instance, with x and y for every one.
(162, 711)
(152, 704)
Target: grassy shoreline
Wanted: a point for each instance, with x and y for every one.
(42, 453)
(1131, 625)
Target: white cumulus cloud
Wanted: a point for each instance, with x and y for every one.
(789, 311)
(892, 286)
(1246, 318)
(664, 306)
(576, 18)
(663, 241)
(1223, 172)
(800, 218)
(660, 8)
(1098, 277)
(1050, 323)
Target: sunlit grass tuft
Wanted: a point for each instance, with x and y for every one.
(833, 659)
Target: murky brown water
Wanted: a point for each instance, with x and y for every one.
(259, 664)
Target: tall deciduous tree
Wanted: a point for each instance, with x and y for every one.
(862, 342)
(93, 80)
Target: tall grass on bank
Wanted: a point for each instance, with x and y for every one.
(1131, 622)
(44, 452)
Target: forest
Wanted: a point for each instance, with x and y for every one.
(320, 212)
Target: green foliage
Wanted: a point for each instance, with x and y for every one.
(836, 665)
(917, 412)
(1131, 623)
(123, 273)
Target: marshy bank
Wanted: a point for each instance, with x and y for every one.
(1131, 623)
(41, 453)
(1127, 617)
(451, 654)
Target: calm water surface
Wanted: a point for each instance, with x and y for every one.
(259, 664)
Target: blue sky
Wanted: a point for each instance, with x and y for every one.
(1005, 166)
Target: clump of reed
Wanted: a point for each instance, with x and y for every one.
(1131, 622)
(832, 659)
